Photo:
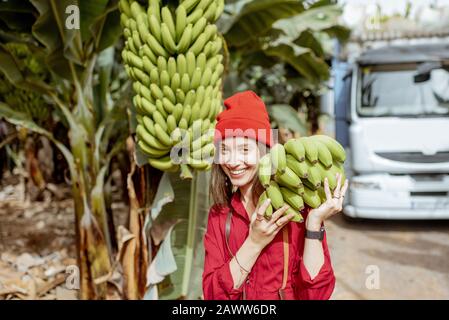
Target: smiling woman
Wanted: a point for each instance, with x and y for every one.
(247, 257)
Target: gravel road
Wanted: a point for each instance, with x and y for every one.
(381, 259)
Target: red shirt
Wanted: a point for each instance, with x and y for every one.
(265, 278)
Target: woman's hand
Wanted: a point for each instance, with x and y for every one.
(262, 231)
(333, 204)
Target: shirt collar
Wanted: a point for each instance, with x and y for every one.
(237, 205)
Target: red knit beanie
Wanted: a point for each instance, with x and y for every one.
(245, 115)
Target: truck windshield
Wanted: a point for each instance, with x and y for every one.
(390, 90)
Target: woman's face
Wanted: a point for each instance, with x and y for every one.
(238, 157)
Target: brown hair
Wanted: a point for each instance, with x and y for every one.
(220, 189)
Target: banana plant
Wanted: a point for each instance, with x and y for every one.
(77, 38)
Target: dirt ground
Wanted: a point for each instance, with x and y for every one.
(372, 259)
(411, 259)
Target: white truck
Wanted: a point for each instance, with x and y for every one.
(392, 114)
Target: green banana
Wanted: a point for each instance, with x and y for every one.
(335, 148)
(200, 93)
(134, 60)
(163, 164)
(185, 39)
(311, 198)
(324, 155)
(274, 193)
(141, 76)
(269, 211)
(156, 92)
(199, 27)
(189, 5)
(181, 63)
(310, 148)
(265, 170)
(155, 28)
(147, 52)
(220, 8)
(154, 77)
(177, 112)
(161, 109)
(217, 74)
(201, 60)
(167, 39)
(191, 63)
(185, 82)
(175, 82)
(204, 152)
(195, 113)
(149, 125)
(209, 14)
(296, 149)
(148, 66)
(326, 173)
(314, 176)
(171, 123)
(292, 198)
(162, 135)
(158, 118)
(190, 97)
(162, 64)
(164, 79)
(278, 158)
(124, 7)
(180, 96)
(288, 178)
(181, 21)
(168, 92)
(299, 168)
(156, 153)
(186, 113)
(205, 108)
(171, 67)
(167, 18)
(196, 79)
(155, 46)
(150, 140)
(198, 45)
(169, 106)
(206, 78)
(154, 9)
(194, 16)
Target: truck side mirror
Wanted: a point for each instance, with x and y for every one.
(421, 77)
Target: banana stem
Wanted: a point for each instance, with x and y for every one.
(190, 246)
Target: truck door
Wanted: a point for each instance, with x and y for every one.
(342, 94)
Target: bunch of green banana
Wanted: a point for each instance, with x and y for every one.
(24, 100)
(172, 54)
(294, 173)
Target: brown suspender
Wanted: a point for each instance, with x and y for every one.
(286, 253)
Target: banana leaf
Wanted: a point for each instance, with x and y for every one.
(254, 18)
(287, 117)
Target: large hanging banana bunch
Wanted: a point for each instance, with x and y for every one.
(294, 173)
(172, 53)
(24, 100)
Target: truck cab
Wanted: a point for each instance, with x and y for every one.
(393, 111)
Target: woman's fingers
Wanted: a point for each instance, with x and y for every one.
(278, 213)
(281, 222)
(337, 192)
(260, 211)
(327, 190)
(343, 192)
